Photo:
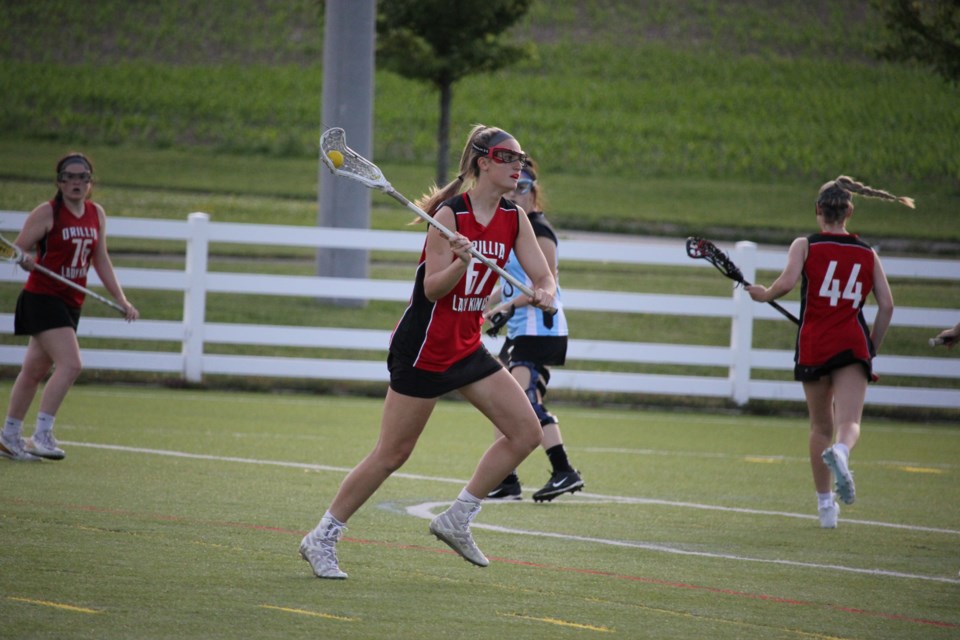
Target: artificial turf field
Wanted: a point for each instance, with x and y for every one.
(177, 514)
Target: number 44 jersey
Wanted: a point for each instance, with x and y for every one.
(837, 277)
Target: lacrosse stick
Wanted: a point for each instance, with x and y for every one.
(10, 252)
(344, 161)
(698, 248)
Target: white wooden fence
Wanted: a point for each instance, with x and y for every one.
(739, 359)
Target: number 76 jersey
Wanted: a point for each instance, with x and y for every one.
(837, 277)
(66, 250)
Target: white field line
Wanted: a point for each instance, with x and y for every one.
(755, 456)
(425, 511)
(591, 498)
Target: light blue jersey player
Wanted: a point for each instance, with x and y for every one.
(535, 342)
(528, 320)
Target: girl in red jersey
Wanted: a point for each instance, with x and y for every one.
(68, 234)
(835, 347)
(436, 347)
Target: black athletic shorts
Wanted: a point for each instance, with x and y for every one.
(842, 359)
(410, 381)
(540, 350)
(37, 313)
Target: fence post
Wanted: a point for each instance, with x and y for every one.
(195, 295)
(741, 328)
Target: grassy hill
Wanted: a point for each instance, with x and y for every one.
(654, 117)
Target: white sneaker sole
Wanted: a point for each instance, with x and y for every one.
(846, 489)
(40, 452)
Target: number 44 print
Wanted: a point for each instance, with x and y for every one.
(852, 290)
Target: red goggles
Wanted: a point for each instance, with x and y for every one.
(503, 155)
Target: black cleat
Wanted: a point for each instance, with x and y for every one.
(560, 482)
(506, 491)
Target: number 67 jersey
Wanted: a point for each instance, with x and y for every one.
(435, 335)
(837, 277)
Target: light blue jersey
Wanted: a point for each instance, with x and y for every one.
(528, 320)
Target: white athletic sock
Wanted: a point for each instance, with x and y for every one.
(825, 499)
(44, 423)
(332, 518)
(843, 450)
(12, 428)
(467, 497)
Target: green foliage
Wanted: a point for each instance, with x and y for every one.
(441, 42)
(692, 90)
(656, 117)
(925, 32)
(185, 32)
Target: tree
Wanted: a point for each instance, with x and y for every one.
(925, 31)
(440, 42)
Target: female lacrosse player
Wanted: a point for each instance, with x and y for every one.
(436, 348)
(69, 235)
(535, 341)
(835, 347)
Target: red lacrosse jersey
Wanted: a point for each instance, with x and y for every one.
(66, 250)
(434, 335)
(837, 277)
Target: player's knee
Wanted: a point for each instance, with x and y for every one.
(532, 440)
(71, 369)
(393, 460)
(68, 371)
(529, 438)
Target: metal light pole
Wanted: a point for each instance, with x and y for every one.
(348, 71)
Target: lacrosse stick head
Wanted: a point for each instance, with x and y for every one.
(10, 252)
(702, 249)
(344, 161)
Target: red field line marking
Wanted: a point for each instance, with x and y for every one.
(521, 563)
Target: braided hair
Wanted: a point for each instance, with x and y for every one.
(835, 197)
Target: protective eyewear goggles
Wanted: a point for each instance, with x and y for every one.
(67, 176)
(524, 186)
(503, 155)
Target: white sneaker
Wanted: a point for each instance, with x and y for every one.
(44, 445)
(453, 527)
(319, 548)
(829, 515)
(15, 449)
(842, 475)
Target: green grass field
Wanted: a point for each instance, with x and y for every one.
(178, 514)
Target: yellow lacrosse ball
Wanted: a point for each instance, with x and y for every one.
(336, 158)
